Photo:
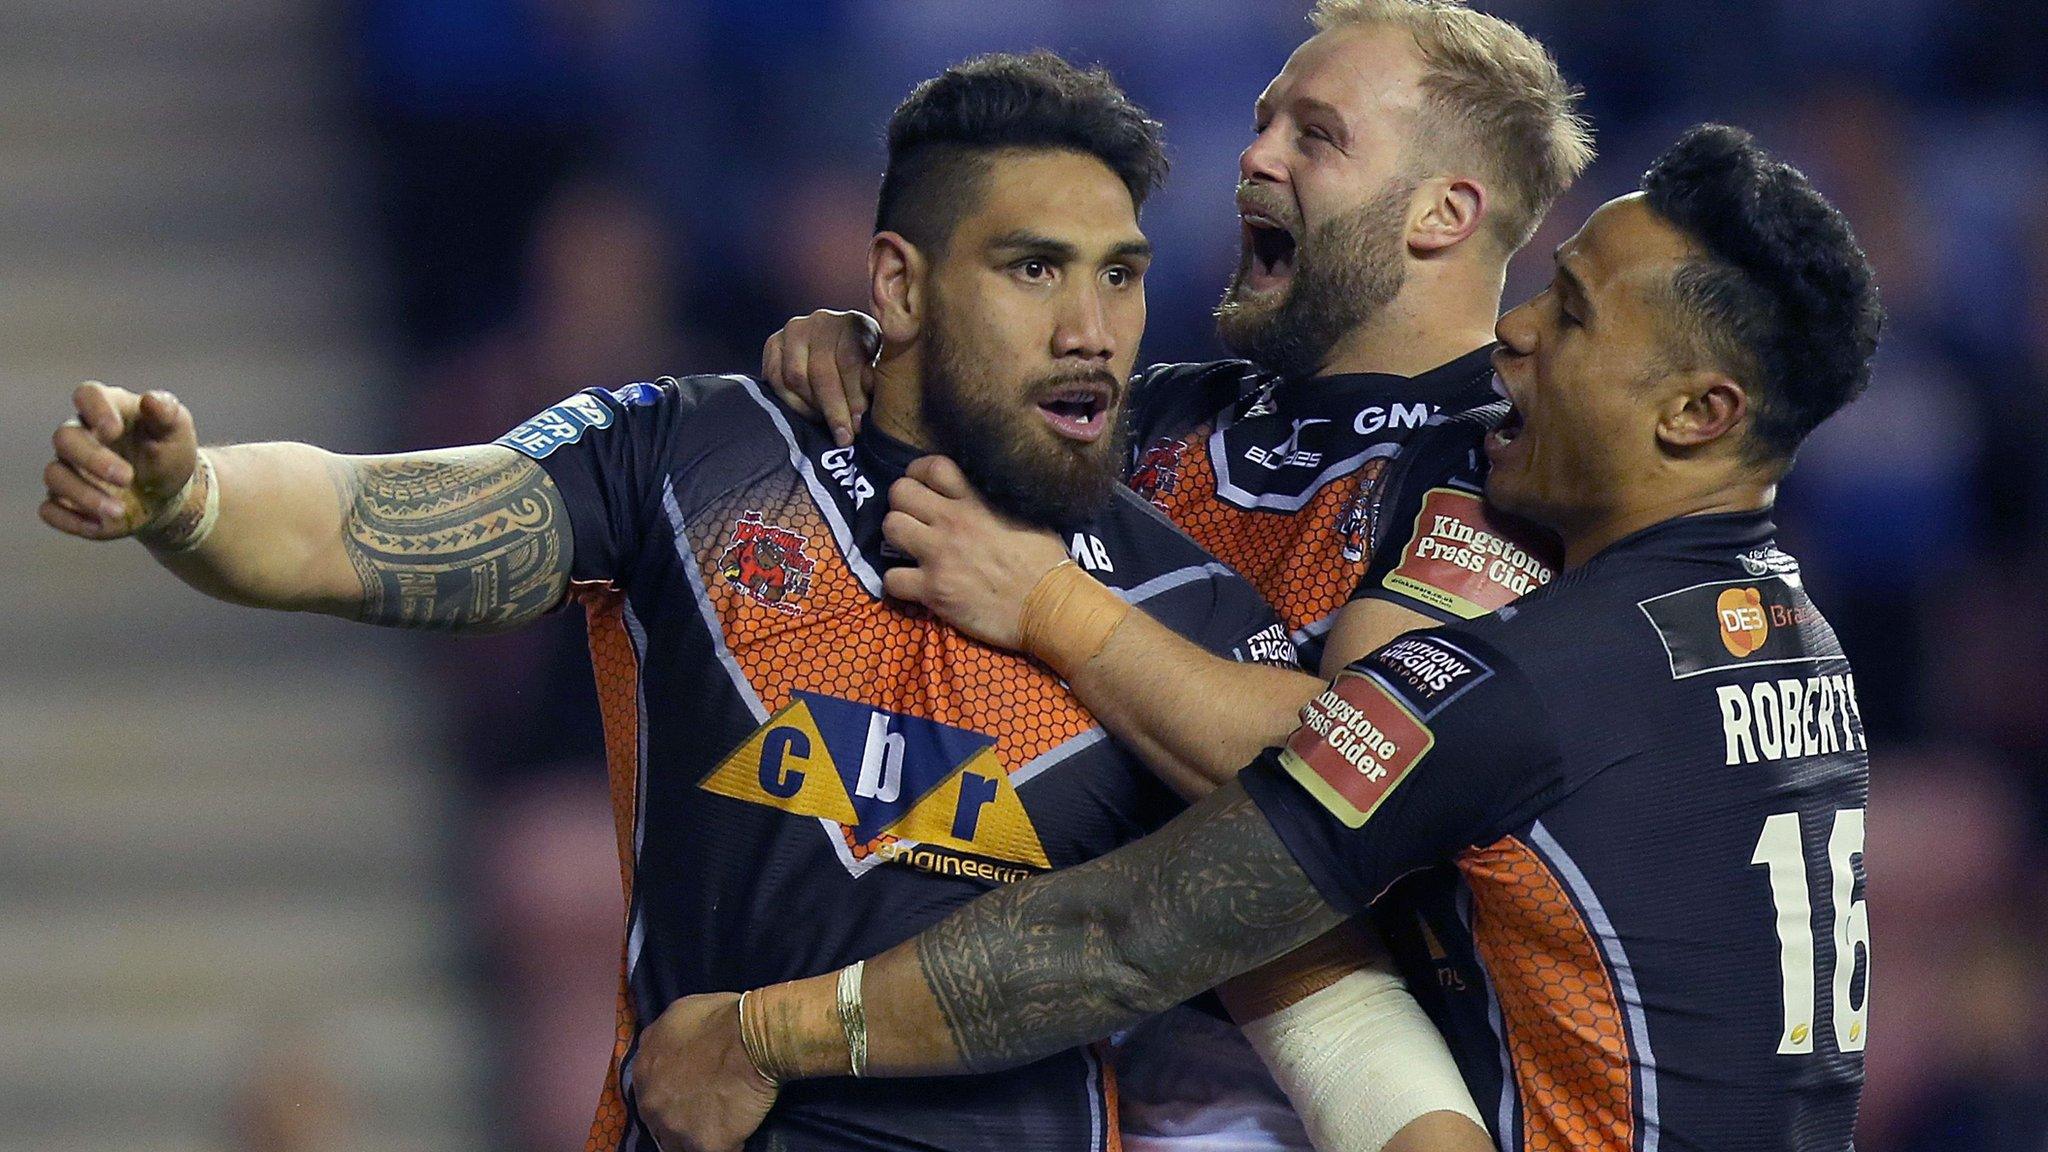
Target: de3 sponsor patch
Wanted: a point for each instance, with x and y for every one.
(1464, 560)
(1738, 624)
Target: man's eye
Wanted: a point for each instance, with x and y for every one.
(1034, 269)
(1117, 277)
(1317, 134)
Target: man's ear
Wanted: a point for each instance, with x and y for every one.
(1705, 407)
(896, 272)
(1450, 211)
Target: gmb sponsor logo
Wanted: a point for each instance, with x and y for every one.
(839, 464)
(887, 779)
(1370, 420)
(1791, 718)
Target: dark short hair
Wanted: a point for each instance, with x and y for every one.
(1783, 298)
(945, 133)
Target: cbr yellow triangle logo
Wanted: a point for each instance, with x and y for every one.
(977, 810)
(785, 764)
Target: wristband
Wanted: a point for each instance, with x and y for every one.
(853, 1019)
(1068, 618)
(755, 1044)
(181, 525)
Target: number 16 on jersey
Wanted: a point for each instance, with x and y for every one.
(1781, 851)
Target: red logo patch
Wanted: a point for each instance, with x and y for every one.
(767, 563)
(1465, 559)
(1158, 471)
(1362, 515)
(1355, 743)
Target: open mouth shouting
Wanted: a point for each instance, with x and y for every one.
(1506, 432)
(1269, 247)
(1077, 411)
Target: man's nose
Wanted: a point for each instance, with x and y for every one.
(1261, 160)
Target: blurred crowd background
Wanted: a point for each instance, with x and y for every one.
(528, 197)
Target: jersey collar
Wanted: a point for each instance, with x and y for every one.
(1715, 537)
(1452, 386)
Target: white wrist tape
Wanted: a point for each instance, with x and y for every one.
(1359, 1060)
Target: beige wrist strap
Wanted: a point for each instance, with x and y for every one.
(1068, 618)
(187, 519)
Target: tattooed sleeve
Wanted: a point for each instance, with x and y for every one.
(475, 539)
(1063, 959)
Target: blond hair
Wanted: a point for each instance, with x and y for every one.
(1498, 91)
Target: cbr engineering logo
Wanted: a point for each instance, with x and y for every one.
(884, 776)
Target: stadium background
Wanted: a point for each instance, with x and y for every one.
(276, 884)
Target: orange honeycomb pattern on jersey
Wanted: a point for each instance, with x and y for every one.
(1563, 1019)
(1296, 560)
(845, 643)
(617, 670)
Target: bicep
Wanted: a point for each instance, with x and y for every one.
(1365, 625)
(475, 538)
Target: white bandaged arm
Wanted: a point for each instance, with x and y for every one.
(1359, 1060)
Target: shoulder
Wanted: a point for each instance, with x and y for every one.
(1586, 633)
(1169, 399)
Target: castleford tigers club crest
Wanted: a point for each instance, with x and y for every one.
(767, 562)
(1362, 514)
(1158, 472)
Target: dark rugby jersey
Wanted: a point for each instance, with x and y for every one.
(1649, 781)
(1437, 547)
(805, 774)
(1274, 477)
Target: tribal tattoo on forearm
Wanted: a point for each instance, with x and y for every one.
(473, 539)
(1060, 960)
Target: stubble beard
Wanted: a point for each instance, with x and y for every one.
(1345, 275)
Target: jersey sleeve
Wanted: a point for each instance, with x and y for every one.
(603, 449)
(1432, 744)
(1441, 550)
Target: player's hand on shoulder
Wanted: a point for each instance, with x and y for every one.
(819, 365)
(974, 566)
(118, 463)
(695, 1087)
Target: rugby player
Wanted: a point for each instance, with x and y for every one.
(803, 772)
(1649, 776)
(1407, 150)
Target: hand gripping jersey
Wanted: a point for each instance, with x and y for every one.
(805, 774)
(1277, 478)
(1649, 782)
